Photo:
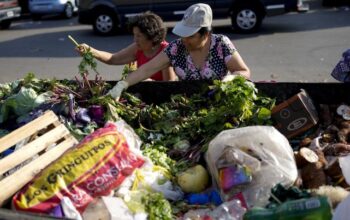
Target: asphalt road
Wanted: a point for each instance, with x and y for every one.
(293, 47)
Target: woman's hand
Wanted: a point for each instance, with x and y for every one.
(117, 90)
(82, 48)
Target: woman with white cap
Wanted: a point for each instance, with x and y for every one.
(198, 54)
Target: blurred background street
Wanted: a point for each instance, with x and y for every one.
(296, 47)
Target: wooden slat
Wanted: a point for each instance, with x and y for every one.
(33, 148)
(27, 130)
(41, 144)
(18, 179)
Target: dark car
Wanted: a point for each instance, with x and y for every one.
(331, 3)
(246, 15)
(9, 10)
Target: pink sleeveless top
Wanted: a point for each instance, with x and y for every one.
(142, 59)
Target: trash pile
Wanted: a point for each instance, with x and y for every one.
(226, 152)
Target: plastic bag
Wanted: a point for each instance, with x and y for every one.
(344, 163)
(245, 163)
(96, 166)
(342, 212)
(231, 210)
(157, 179)
(107, 208)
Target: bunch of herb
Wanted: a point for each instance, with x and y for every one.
(128, 68)
(128, 108)
(157, 207)
(201, 117)
(87, 61)
(158, 155)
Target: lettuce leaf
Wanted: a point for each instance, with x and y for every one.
(22, 102)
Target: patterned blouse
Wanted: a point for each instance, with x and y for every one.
(221, 50)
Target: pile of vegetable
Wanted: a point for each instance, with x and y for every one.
(175, 134)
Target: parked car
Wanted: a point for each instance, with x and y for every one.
(9, 10)
(330, 3)
(66, 8)
(246, 15)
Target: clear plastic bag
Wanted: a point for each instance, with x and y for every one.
(156, 178)
(231, 210)
(258, 157)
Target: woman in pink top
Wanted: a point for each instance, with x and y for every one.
(149, 40)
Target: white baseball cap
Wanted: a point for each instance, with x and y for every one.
(195, 17)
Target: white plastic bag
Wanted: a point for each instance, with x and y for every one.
(342, 212)
(263, 158)
(231, 210)
(131, 137)
(344, 163)
(152, 178)
(157, 179)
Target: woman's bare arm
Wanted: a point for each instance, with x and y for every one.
(159, 62)
(169, 74)
(124, 56)
(236, 65)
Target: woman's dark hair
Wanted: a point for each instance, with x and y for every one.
(151, 25)
(204, 30)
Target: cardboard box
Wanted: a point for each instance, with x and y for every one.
(295, 115)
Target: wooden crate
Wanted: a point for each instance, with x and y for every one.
(46, 139)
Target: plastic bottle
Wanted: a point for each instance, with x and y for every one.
(311, 208)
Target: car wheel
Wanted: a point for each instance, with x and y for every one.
(329, 3)
(68, 11)
(36, 17)
(5, 24)
(105, 22)
(247, 19)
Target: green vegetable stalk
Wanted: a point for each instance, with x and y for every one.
(87, 60)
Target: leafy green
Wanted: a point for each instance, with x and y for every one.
(23, 102)
(158, 155)
(79, 131)
(198, 119)
(8, 89)
(88, 61)
(128, 68)
(157, 207)
(38, 85)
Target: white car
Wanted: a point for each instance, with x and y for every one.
(67, 8)
(9, 10)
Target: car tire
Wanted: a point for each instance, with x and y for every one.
(105, 22)
(247, 18)
(68, 11)
(5, 24)
(36, 17)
